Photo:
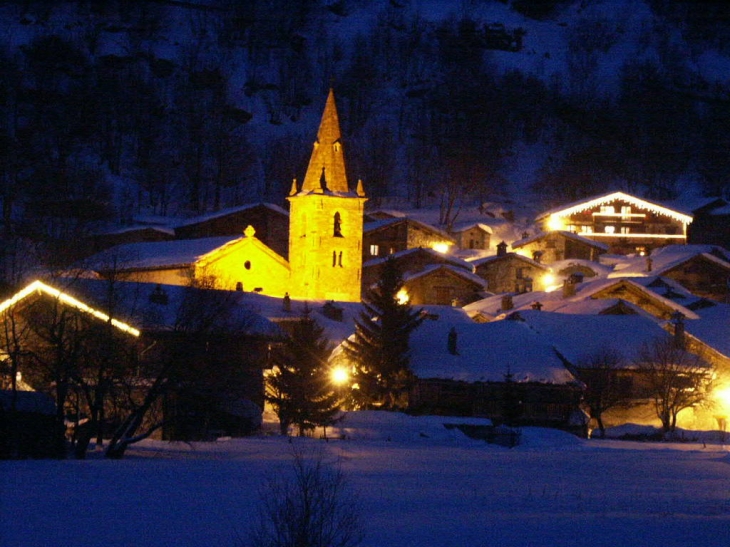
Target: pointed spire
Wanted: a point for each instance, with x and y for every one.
(293, 191)
(327, 155)
(360, 188)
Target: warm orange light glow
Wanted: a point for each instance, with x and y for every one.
(555, 223)
(403, 297)
(340, 376)
(441, 247)
(548, 279)
(722, 397)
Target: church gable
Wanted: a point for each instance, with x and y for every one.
(245, 264)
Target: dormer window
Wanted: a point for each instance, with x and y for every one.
(337, 228)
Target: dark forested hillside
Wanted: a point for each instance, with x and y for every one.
(113, 108)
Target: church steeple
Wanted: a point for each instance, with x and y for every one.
(325, 222)
(327, 161)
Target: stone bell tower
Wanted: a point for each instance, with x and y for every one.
(325, 221)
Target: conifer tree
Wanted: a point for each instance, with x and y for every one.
(300, 389)
(379, 347)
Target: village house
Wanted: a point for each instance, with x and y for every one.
(512, 272)
(704, 270)
(270, 222)
(711, 224)
(442, 284)
(127, 235)
(392, 235)
(502, 370)
(411, 261)
(550, 247)
(473, 235)
(625, 223)
(212, 345)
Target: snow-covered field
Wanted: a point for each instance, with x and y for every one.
(418, 483)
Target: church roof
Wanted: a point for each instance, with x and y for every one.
(326, 171)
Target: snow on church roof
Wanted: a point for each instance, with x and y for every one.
(157, 254)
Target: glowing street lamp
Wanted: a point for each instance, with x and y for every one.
(442, 248)
(340, 376)
(402, 297)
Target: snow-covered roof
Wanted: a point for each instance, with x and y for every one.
(589, 203)
(230, 311)
(590, 289)
(156, 254)
(230, 211)
(564, 233)
(579, 336)
(495, 258)
(712, 327)
(441, 257)
(486, 352)
(137, 228)
(369, 227)
(460, 272)
(667, 257)
(464, 226)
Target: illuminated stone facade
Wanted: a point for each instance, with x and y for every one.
(326, 222)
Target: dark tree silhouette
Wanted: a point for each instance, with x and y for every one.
(300, 388)
(379, 347)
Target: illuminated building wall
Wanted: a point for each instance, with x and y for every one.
(325, 222)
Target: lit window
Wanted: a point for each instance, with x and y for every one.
(374, 250)
(626, 211)
(625, 229)
(610, 229)
(586, 229)
(608, 209)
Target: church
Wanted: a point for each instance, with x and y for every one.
(325, 240)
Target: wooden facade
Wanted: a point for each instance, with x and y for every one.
(711, 224)
(533, 403)
(389, 236)
(443, 285)
(625, 223)
(704, 275)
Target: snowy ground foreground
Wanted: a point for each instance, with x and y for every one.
(419, 484)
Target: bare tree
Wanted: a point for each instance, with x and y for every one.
(675, 379)
(600, 372)
(311, 507)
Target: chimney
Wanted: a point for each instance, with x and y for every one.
(507, 302)
(568, 288)
(158, 296)
(451, 343)
(678, 322)
(501, 249)
(649, 263)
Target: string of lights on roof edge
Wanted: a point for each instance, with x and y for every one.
(39, 286)
(653, 207)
